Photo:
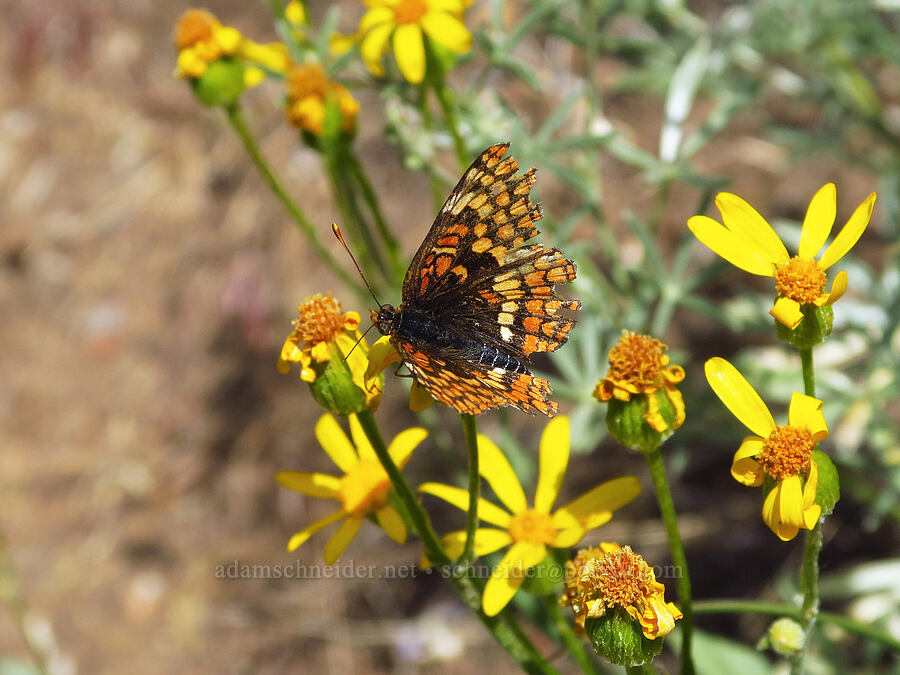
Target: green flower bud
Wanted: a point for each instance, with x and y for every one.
(618, 638)
(334, 388)
(815, 326)
(626, 421)
(785, 637)
(221, 85)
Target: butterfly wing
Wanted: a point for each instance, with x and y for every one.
(453, 377)
(474, 271)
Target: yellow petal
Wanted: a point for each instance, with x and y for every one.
(748, 471)
(769, 510)
(742, 219)
(419, 398)
(448, 31)
(811, 510)
(601, 501)
(341, 538)
(487, 540)
(805, 412)
(381, 355)
(401, 448)
(553, 462)
(375, 17)
(568, 538)
(738, 396)
(496, 470)
(335, 442)
(849, 234)
(734, 248)
(227, 38)
(360, 440)
(487, 512)
(253, 76)
(373, 47)
(391, 523)
(838, 288)
(509, 574)
(787, 312)
(791, 502)
(312, 484)
(818, 221)
(409, 50)
(300, 537)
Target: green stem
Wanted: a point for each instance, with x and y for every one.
(776, 609)
(442, 92)
(346, 199)
(503, 627)
(11, 592)
(570, 641)
(809, 372)
(667, 509)
(371, 198)
(812, 543)
(239, 124)
(470, 432)
(659, 205)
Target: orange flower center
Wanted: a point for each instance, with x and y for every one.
(787, 452)
(618, 578)
(800, 280)
(364, 489)
(637, 359)
(410, 11)
(195, 25)
(320, 320)
(533, 527)
(305, 80)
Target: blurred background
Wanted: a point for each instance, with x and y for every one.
(148, 280)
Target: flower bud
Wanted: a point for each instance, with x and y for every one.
(221, 85)
(785, 637)
(828, 491)
(813, 328)
(617, 638)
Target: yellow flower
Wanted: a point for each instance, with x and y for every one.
(529, 529)
(784, 453)
(363, 489)
(406, 23)
(201, 40)
(638, 365)
(608, 576)
(381, 355)
(308, 92)
(321, 331)
(747, 241)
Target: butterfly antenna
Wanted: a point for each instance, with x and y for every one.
(340, 238)
(356, 344)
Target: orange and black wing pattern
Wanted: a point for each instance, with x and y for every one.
(490, 295)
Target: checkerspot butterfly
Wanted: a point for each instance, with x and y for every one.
(478, 301)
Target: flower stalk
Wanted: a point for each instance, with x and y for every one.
(503, 627)
(812, 543)
(239, 124)
(670, 519)
(470, 432)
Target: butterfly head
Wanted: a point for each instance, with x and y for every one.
(384, 318)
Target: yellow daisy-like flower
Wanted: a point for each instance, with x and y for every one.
(608, 576)
(405, 23)
(530, 530)
(309, 91)
(362, 490)
(201, 39)
(747, 241)
(322, 331)
(784, 453)
(639, 365)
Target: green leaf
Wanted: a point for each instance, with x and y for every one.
(680, 98)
